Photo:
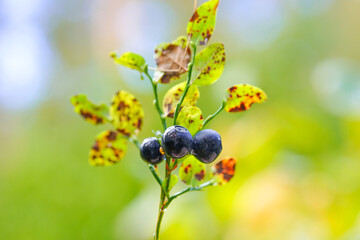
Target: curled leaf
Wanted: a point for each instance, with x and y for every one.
(172, 97)
(202, 23)
(172, 183)
(209, 65)
(94, 114)
(224, 171)
(130, 60)
(190, 118)
(127, 113)
(108, 149)
(171, 60)
(192, 171)
(240, 97)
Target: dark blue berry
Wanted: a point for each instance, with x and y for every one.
(206, 146)
(150, 151)
(176, 141)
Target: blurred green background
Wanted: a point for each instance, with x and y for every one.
(298, 154)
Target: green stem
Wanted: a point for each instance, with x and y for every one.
(210, 117)
(158, 179)
(156, 101)
(189, 189)
(191, 65)
(135, 141)
(164, 192)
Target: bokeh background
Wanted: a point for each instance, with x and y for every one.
(298, 172)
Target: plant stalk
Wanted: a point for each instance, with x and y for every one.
(163, 199)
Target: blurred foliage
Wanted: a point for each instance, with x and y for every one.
(297, 175)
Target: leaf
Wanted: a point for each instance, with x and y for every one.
(130, 60)
(190, 118)
(240, 97)
(94, 114)
(224, 170)
(172, 97)
(202, 23)
(192, 171)
(108, 149)
(172, 183)
(127, 113)
(209, 65)
(172, 57)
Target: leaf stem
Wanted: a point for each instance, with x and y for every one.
(210, 117)
(188, 84)
(189, 189)
(135, 141)
(156, 101)
(158, 179)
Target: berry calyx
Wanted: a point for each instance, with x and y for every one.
(176, 141)
(207, 145)
(150, 151)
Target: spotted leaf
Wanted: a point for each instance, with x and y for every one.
(202, 23)
(224, 171)
(209, 65)
(172, 60)
(95, 114)
(240, 97)
(130, 60)
(190, 118)
(127, 113)
(192, 171)
(172, 183)
(172, 97)
(108, 149)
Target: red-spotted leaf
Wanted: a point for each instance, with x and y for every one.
(172, 97)
(94, 114)
(130, 60)
(127, 113)
(172, 60)
(224, 171)
(209, 65)
(190, 118)
(240, 97)
(108, 149)
(202, 23)
(192, 171)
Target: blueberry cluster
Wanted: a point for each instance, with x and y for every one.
(177, 142)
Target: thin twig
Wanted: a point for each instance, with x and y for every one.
(177, 109)
(157, 106)
(210, 117)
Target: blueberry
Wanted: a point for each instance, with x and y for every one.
(176, 141)
(150, 151)
(207, 145)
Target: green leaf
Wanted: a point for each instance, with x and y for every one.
(192, 171)
(172, 97)
(130, 60)
(171, 60)
(94, 114)
(224, 171)
(190, 118)
(240, 97)
(209, 65)
(127, 113)
(108, 149)
(172, 183)
(202, 23)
